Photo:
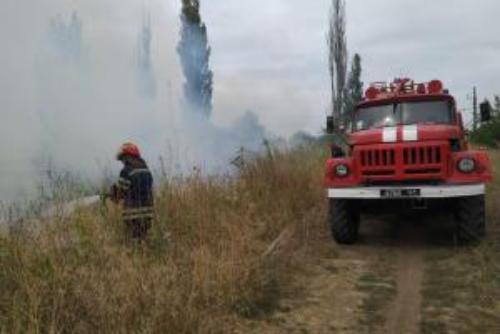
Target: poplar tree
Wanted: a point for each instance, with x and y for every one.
(146, 77)
(497, 106)
(337, 58)
(354, 89)
(194, 53)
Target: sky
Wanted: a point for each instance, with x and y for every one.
(268, 57)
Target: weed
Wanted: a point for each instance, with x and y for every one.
(201, 269)
(461, 290)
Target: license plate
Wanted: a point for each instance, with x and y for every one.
(399, 193)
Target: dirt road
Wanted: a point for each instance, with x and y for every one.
(406, 275)
(372, 287)
(403, 315)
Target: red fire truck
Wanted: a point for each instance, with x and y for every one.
(407, 147)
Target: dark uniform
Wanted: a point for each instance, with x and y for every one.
(135, 188)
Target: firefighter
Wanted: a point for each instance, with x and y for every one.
(134, 190)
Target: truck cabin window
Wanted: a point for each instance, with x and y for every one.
(408, 113)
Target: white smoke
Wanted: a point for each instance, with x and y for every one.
(69, 91)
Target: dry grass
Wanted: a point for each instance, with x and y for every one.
(201, 270)
(462, 288)
(380, 288)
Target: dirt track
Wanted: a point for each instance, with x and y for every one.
(404, 313)
(372, 287)
(406, 275)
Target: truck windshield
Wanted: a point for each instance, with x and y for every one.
(428, 112)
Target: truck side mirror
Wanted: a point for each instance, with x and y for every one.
(485, 109)
(330, 128)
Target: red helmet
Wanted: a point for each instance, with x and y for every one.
(129, 149)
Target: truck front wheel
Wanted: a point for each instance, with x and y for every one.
(344, 221)
(471, 219)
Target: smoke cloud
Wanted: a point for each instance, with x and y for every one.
(80, 77)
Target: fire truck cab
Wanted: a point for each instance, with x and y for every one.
(407, 146)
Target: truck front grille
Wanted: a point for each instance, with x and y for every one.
(378, 158)
(402, 161)
(422, 155)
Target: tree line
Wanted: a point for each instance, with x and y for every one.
(489, 132)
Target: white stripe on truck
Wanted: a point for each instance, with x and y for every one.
(390, 135)
(410, 133)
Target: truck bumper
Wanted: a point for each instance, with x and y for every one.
(394, 192)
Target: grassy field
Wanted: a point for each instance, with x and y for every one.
(201, 271)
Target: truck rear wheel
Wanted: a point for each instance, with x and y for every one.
(471, 219)
(344, 221)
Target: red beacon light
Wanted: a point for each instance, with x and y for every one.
(371, 93)
(435, 87)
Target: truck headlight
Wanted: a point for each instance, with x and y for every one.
(341, 170)
(466, 165)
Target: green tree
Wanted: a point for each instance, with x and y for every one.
(496, 106)
(354, 89)
(489, 133)
(194, 53)
(337, 59)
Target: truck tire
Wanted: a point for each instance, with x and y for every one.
(344, 221)
(471, 219)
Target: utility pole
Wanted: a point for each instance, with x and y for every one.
(474, 116)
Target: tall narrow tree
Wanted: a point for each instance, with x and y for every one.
(145, 70)
(337, 49)
(354, 89)
(497, 106)
(65, 37)
(194, 53)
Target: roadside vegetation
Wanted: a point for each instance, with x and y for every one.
(206, 266)
(461, 291)
(224, 254)
(379, 288)
(489, 133)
